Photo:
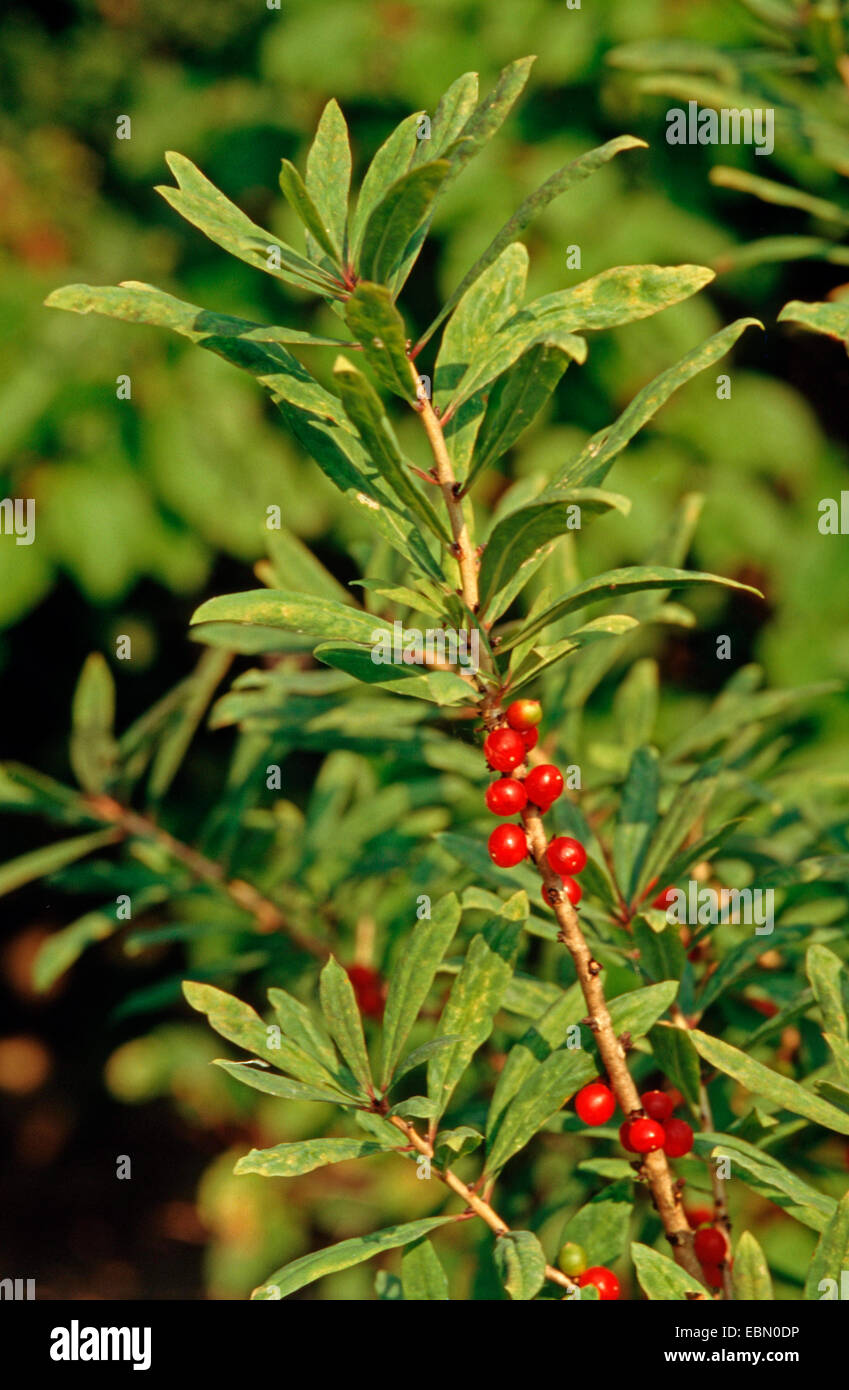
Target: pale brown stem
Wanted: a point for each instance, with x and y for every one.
(665, 1195)
(463, 550)
(267, 915)
(477, 1204)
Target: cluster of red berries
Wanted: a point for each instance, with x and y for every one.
(369, 990)
(711, 1248)
(504, 750)
(657, 1129)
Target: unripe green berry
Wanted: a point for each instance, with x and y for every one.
(572, 1259)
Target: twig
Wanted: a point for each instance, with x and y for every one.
(267, 915)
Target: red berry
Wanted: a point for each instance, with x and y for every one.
(506, 797)
(675, 1096)
(508, 846)
(710, 1246)
(698, 1216)
(543, 784)
(573, 890)
(645, 1135)
(368, 990)
(595, 1104)
(524, 714)
(657, 1104)
(605, 1281)
(530, 738)
(666, 898)
(624, 1138)
(504, 749)
(712, 1276)
(565, 855)
(679, 1138)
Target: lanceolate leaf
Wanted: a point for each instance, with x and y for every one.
(515, 399)
(752, 1282)
(565, 178)
(547, 1033)
(520, 1261)
(456, 106)
(412, 978)
(379, 329)
(546, 1091)
(831, 1257)
(480, 313)
(596, 458)
(602, 1225)
(391, 161)
(308, 1268)
(519, 537)
(365, 409)
(635, 819)
(660, 1277)
(290, 1160)
(271, 1083)
(508, 346)
(328, 174)
(440, 687)
(202, 204)
(38, 863)
(830, 319)
(342, 1017)
(297, 196)
(615, 297)
(93, 747)
(298, 1024)
(291, 612)
(761, 1080)
(676, 1055)
(770, 1178)
(475, 997)
(422, 1276)
(617, 582)
(396, 218)
(422, 1054)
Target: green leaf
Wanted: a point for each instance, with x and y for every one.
(270, 1083)
(328, 175)
(339, 1006)
(761, 1080)
(689, 806)
(22, 789)
(618, 582)
(677, 1057)
(520, 1261)
(660, 1277)
(638, 1010)
(545, 1035)
(752, 1282)
(519, 538)
(831, 1256)
(515, 398)
(480, 312)
(602, 1225)
(173, 745)
(299, 199)
(741, 957)
(824, 868)
(451, 1144)
(559, 182)
(298, 1024)
(394, 221)
(415, 1107)
(615, 297)
(546, 1090)
(780, 194)
(202, 204)
(769, 1178)
(290, 1160)
(475, 997)
(516, 338)
(308, 1268)
(539, 658)
(412, 978)
(280, 610)
(420, 1055)
(379, 329)
(422, 1276)
(830, 319)
(38, 863)
(364, 407)
(62, 948)
(389, 164)
(93, 749)
(455, 108)
(592, 465)
(635, 819)
(440, 687)
(490, 114)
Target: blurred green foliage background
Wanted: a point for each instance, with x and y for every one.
(144, 508)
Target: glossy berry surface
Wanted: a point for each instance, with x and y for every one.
(666, 898)
(506, 797)
(698, 1216)
(679, 1138)
(573, 891)
(544, 784)
(508, 846)
(644, 1136)
(710, 1246)
(572, 1259)
(604, 1280)
(524, 714)
(712, 1276)
(565, 855)
(530, 738)
(624, 1137)
(368, 990)
(595, 1103)
(657, 1105)
(504, 749)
